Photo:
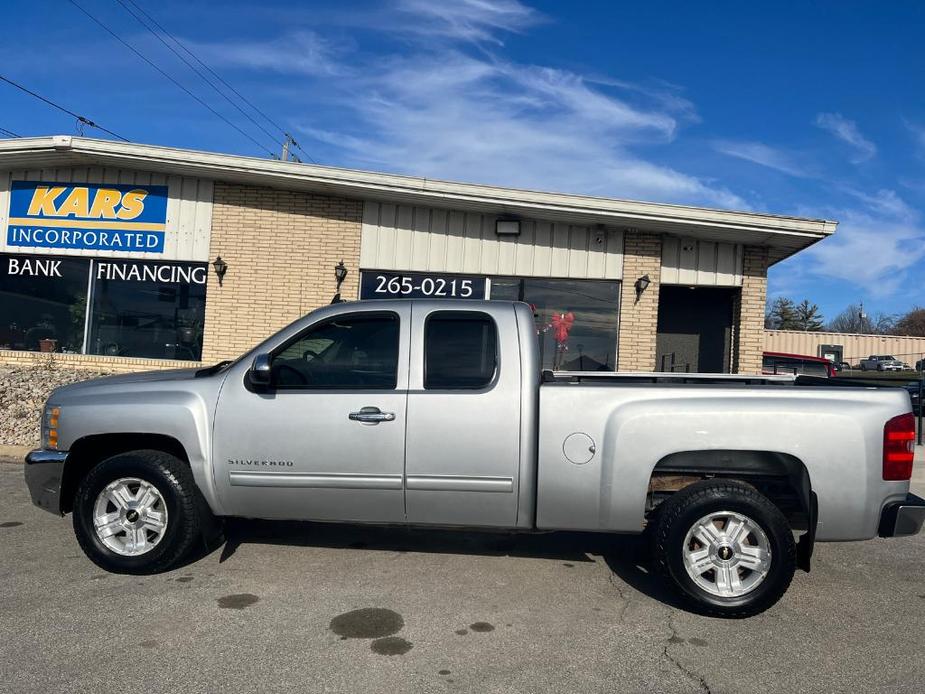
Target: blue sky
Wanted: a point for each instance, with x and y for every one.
(813, 109)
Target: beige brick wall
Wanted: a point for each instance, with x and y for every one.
(90, 362)
(642, 255)
(748, 328)
(281, 248)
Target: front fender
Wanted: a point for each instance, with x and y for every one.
(183, 414)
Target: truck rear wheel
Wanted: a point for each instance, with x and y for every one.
(137, 512)
(727, 548)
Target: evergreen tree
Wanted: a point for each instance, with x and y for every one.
(783, 315)
(808, 317)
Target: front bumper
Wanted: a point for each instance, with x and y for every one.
(44, 471)
(903, 517)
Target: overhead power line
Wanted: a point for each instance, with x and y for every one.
(9, 132)
(195, 69)
(80, 119)
(167, 76)
(212, 72)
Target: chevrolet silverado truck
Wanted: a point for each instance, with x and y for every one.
(436, 413)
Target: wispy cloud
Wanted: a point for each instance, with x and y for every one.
(847, 131)
(876, 247)
(469, 20)
(447, 114)
(299, 52)
(763, 155)
(917, 130)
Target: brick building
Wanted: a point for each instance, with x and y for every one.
(110, 258)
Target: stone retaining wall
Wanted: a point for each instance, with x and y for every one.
(23, 391)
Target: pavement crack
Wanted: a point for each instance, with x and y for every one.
(618, 585)
(693, 676)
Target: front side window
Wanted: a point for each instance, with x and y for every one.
(460, 350)
(354, 351)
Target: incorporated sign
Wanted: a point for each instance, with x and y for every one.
(407, 285)
(87, 216)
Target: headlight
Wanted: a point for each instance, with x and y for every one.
(50, 420)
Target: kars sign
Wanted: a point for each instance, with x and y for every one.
(87, 216)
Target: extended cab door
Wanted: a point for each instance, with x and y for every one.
(464, 410)
(326, 438)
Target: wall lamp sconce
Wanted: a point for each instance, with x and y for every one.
(340, 274)
(220, 267)
(507, 227)
(641, 285)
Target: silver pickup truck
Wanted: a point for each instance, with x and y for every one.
(437, 413)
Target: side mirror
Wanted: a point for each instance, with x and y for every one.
(260, 372)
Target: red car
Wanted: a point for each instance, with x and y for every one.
(782, 363)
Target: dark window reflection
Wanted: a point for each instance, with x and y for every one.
(153, 310)
(576, 320)
(460, 350)
(43, 302)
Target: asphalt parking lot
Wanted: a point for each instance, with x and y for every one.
(306, 607)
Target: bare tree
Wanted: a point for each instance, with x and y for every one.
(912, 323)
(854, 320)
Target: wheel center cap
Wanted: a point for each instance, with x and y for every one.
(725, 553)
(131, 516)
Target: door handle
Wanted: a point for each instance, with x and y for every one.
(371, 415)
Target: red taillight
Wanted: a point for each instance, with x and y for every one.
(899, 447)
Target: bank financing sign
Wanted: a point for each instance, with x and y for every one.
(87, 216)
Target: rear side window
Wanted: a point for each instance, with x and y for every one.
(460, 350)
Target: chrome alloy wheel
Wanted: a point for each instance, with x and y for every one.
(130, 516)
(727, 554)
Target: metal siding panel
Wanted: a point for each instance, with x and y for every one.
(706, 263)
(472, 243)
(613, 265)
(436, 252)
(579, 240)
(725, 264)
(455, 241)
(404, 221)
(490, 256)
(507, 254)
(438, 240)
(524, 249)
(597, 253)
(739, 260)
(560, 250)
(203, 225)
(369, 235)
(385, 258)
(671, 259)
(687, 262)
(184, 238)
(420, 239)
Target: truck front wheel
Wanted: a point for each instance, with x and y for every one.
(727, 548)
(137, 512)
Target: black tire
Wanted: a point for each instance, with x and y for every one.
(680, 512)
(186, 511)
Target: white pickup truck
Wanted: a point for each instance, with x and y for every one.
(436, 413)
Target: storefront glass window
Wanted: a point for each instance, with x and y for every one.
(147, 309)
(576, 320)
(43, 301)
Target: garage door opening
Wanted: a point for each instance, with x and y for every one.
(694, 329)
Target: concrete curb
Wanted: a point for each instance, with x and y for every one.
(17, 452)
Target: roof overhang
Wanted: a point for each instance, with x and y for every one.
(783, 236)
